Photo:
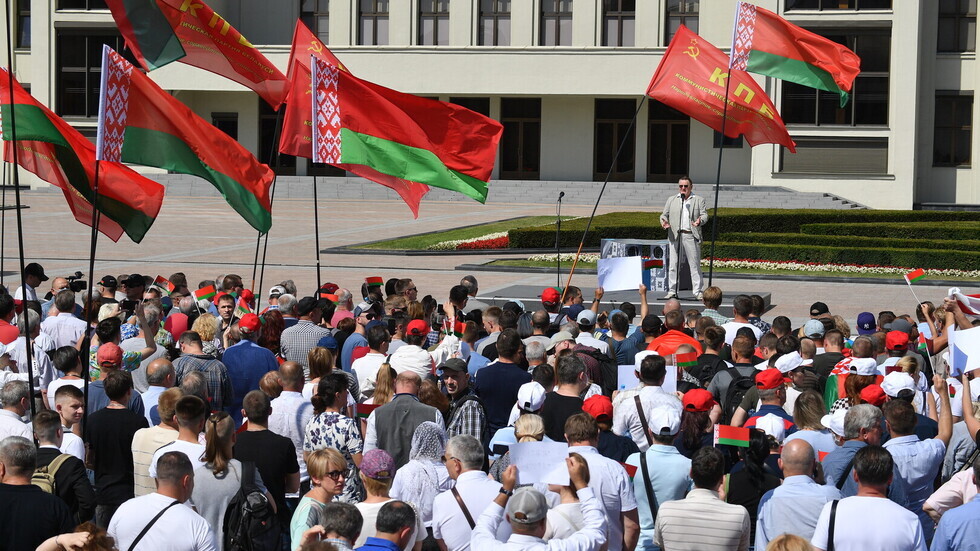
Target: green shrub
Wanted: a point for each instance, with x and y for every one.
(909, 258)
(853, 241)
(938, 233)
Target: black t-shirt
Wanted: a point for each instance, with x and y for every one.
(28, 516)
(741, 491)
(616, 447)
(824, 363)
(110, 438)
(555, 411)
(275, 457)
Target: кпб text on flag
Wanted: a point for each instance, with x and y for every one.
(142, 124)
(767, 44)
(159, 32)
(57, 153)
(692, 78)
(427, 141)
(297, 136)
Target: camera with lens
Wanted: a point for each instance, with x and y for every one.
(76, 283)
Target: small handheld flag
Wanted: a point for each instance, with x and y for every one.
(205, 293)
(162, 283)
(242, 308)
(651, 263)
(364, 410)
(732, 436)
(687, 359)
(374, 281)
(915, 275)
(630, 470)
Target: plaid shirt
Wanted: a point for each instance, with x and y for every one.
(467, 416)
(297, 341)
(713, 314)
(219, 385)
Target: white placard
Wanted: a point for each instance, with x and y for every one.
(627, 377)
(620, 274)
(540, 462)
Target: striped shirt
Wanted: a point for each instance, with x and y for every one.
(702, 521)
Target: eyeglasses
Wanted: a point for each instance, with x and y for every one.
(336, 475)
(412, 289)
(682, 186)
(368, 317)
(448, 459)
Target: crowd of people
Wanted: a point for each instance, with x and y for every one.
(154, 416)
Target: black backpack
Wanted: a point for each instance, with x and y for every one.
(608, 369)
(250, 522)
(708, 367)
(736, 391)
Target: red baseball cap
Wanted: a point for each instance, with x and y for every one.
(768, 379)
(698, 399)
(250, 323)
(417, 328)
(897, 340)
(550, 295)
(246, 295)
(873, 394)
(109, 355)
(330, 288)
(598, 406)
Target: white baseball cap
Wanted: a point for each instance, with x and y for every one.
(664, 420)
(773, 425)
(530, 396)
(789, 362)
(835, 422)
(864, 366)
(896, 382)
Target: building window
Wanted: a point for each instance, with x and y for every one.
(495, 22)
(868, 105)
(268, 153)
(953, 142)
(613, 127)
(520, 146)
(556, 23)
(315, 14)
(78, 61)
(724, 141)
(668, 144)
(681, 12)
(836, 155)
(479, 105)
(838, 5)
(227, 123)
(957, 26)
(82, 5)
(618, 22)
(373, 23)
(23, 23)
(433, 22)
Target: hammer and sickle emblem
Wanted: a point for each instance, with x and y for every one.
(693, 50)
(315, 46)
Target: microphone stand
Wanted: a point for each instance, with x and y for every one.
(558, 237)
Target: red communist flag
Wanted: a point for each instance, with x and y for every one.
(297, 136)
(692, 78)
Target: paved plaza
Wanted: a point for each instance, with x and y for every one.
(203, 237)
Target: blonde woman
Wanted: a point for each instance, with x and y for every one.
(807, 412)
(528, 428)
(320, 360)
(328, 474)
(220, 478)
(206, 325)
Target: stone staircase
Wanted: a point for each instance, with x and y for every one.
(624, 194)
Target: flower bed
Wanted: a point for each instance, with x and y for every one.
(497, 240)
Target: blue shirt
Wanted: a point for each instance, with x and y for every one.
(378, 544)
(476, 362)
(670, 479)
(959, 529)
(150, 400)
(246, 362)
(347, 352)
(497, 385)
(97, 399)
(792, 508)
(918, 462)
(837, 460)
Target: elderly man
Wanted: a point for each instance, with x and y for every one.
(64, 328)
(683, 216)
(160, 376)
(298, 340)
(391, 426)
(466, 412)
(28, 514)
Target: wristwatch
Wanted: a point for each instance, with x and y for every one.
(507, 493)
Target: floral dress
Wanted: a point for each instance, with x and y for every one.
(334, 430)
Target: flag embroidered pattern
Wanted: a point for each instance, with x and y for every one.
(767, 44)
(164, 284)
(159, 32)
(57, 153)
(732, 436)
(915, 275)
(687, 359)
(142, 124)
(439, 144)
(297, 138)
(692, 78)
(205, 293)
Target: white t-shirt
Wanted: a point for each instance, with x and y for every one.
(864, 523)
(72, 444)
(366, 369)
(194, 451)
(19, 293)
(58, 383)
(179, 529)
(732, 327)
(448, 522)
(563, 521)
(369, 512)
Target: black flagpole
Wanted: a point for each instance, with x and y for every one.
(273, 154)
(316, 229)
(721, 151)
(86, 342)
(29, 344)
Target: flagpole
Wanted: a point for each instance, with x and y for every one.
(3, 220)
(316, 228)
(605, 182)
(86, 342)
(274, 154)
(277, 157)
(15, 180)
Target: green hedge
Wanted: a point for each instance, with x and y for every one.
(909, 258)
(854, 241)
(938, 233)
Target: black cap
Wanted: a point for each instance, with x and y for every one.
(109, 281)
(819, 309)
(134, 280)
(454, 364)
(308, 304)
(35, 269)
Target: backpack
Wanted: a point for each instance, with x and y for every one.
(43, 477)
(736, 391)
(250, 523)
(708, 368)
(608, 370)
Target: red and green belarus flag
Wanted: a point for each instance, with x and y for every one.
(732, 436)
(374, 281)
(159, 32)
(242, 307)
(687, 359)
(915, 275)
(767, 44)
(205, 293)
(653, 263)
(58, 154)
(439, 144)
(364, 410)
(164, 284)
(142, 124)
